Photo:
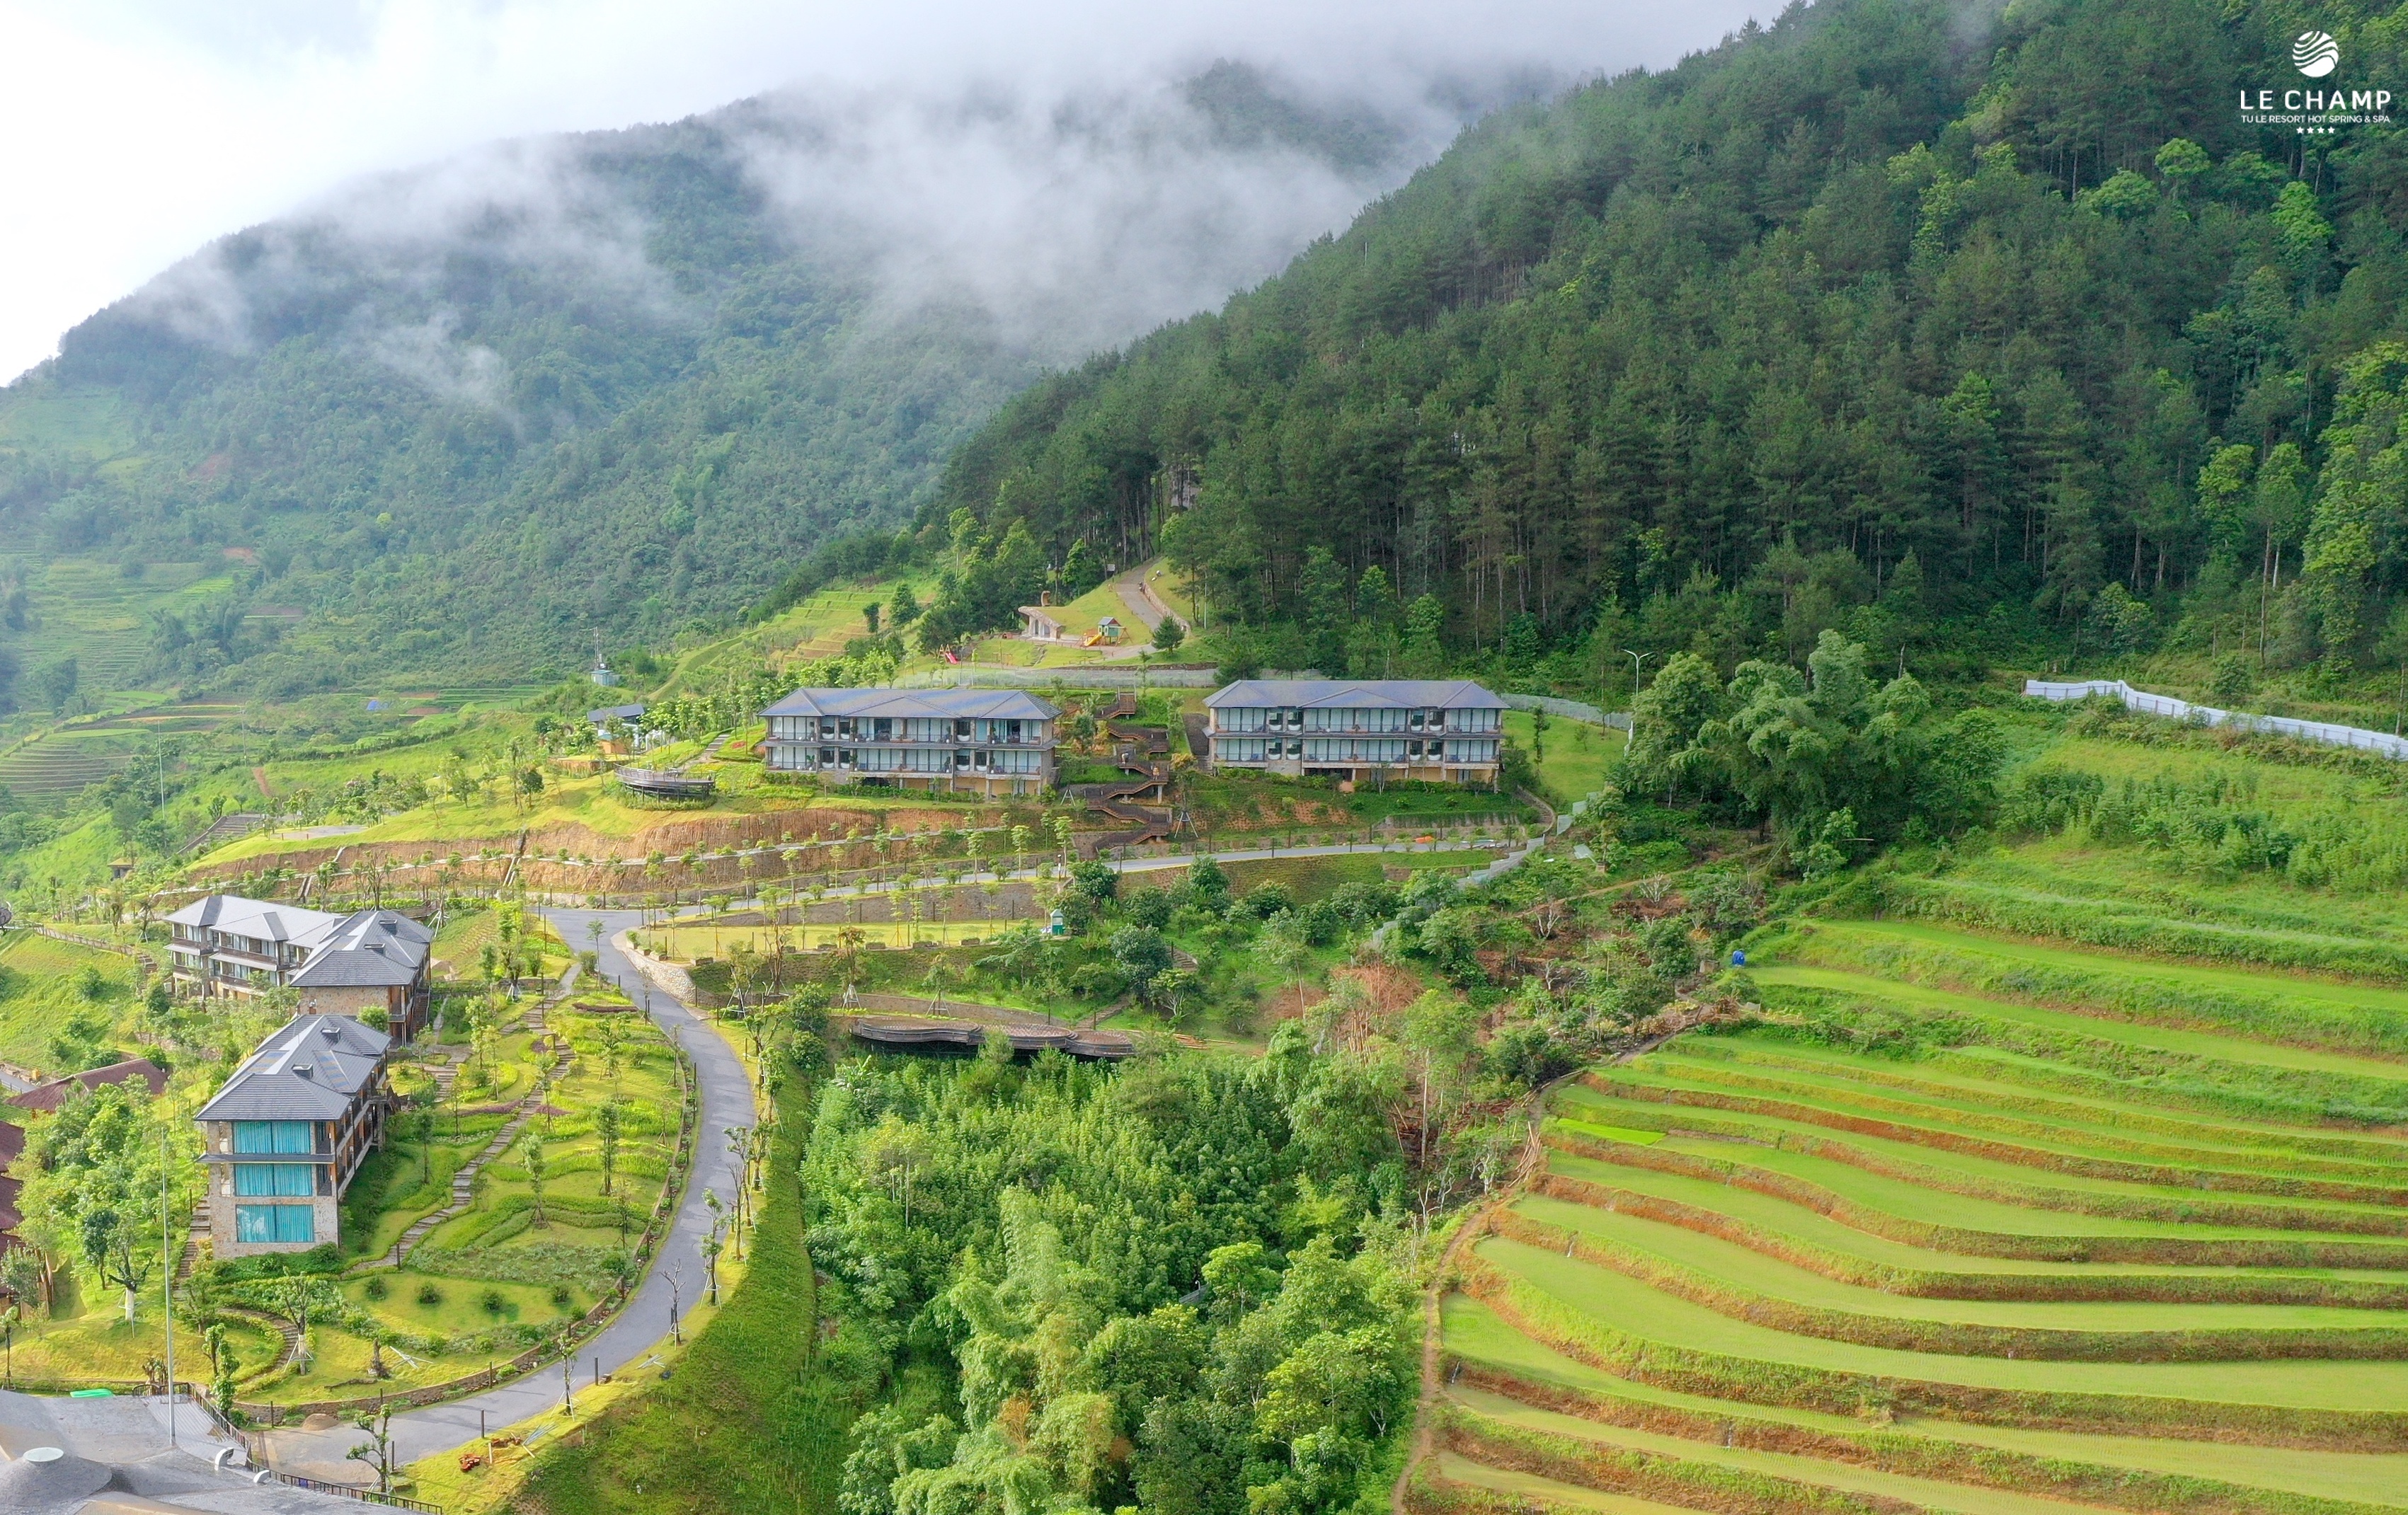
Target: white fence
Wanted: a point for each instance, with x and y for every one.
(1569, 710)
(2208, 715)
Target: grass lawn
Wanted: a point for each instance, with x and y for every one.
(40, 990)
(1577, 757)
(86, 1337)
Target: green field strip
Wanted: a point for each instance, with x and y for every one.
(1905, 1211)
(1634, 1310)
(1734, 1279)
(1524, 1490)
(1490, 1355)
(2120, 1060)
(2029, 915)
(1955, 1091)
(1801, 1234)
(1704, 1085)
(1972, 1176)
(1927, 1494)
(2187, 1041)
(2291, 1005)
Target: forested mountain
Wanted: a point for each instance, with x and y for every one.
(1890, 316)
(477, 416)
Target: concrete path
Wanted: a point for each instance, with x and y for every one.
(1138, 597)
(726, 1101)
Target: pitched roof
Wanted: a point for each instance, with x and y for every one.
(941, 704)
(615, 712)
(50, 1096)
(260, 918)
(309, 1070)
(368, 948)
(1356, 693)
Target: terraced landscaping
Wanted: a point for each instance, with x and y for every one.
(1936, 1236)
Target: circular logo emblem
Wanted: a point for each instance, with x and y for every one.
(2315, 54)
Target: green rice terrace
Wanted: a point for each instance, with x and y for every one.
(1963, 1223)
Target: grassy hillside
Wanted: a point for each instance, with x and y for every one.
(1948, 1267)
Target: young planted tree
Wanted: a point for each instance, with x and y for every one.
(537, 1165)
(605, 1136)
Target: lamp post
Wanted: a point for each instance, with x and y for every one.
(1636, 659)
(166, 1285)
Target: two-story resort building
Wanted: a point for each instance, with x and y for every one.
(284, 1136)
(976, 741)
(340, 964)
(372, 961)
(224, 944)
(1441, 731)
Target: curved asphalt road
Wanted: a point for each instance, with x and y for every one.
(726, 1101)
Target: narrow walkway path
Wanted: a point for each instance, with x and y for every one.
(464, 1181)
(725, 1093)
(464, 1186)
(286, 1332)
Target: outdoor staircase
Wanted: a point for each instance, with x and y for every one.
(464, 1182)
(1143, 753)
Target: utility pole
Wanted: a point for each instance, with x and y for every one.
(166, 1284)
(1636, 659)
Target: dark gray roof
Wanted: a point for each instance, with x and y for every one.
(368, 948)
(943, 704)
(615, 712)
(261, 919)
(1356, 693)
(309, 1070)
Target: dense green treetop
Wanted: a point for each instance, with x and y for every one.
(1872, 318)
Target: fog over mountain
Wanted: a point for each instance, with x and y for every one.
(604, 384)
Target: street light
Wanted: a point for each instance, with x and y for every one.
(1636, 659)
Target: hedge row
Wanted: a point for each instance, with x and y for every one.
(2163, 1251)
(1932, 1283)
(1587, 1338)
(1957, 1338)
(1912, 1455)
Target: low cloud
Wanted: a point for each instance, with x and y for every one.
(1038, 159)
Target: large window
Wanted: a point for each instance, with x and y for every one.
(285, 1180)
(274, 1136)
(275, 1222)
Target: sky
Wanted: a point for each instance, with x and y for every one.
(138, 130)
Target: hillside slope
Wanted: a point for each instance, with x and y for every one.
(1704, 359)
(477, 416)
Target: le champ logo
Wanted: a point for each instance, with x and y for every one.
(2313, 112)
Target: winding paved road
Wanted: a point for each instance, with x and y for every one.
(726, 1101)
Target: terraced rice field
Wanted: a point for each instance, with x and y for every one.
(1941, 1246)
(90, 610)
